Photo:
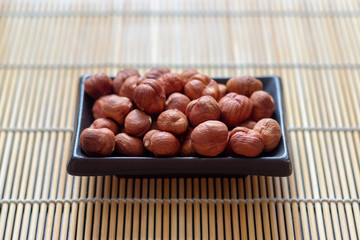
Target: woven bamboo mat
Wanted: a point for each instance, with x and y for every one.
(313, 45)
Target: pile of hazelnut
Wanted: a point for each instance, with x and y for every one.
(170, 114)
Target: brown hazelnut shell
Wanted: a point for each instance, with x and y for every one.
(98, 85)
(203, 109)
(171, 82)
(128, 87)
(97, 142)
(161, 143)
(235, 108)
(246, 142)
(116, 108)
(137, 123)
(188, 73)
(156, 72)
(270, 131)
(150, 97)
(210, 138)
(105, 123)
(201, 85)
(97, 107)
(263, 105)
(128, 145)
(248, 124)
(222, 91)
(177, 101)
(186, 149)
(244, 85)
(172, 121)
(121, 76)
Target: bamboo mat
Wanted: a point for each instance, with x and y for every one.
(313, 45)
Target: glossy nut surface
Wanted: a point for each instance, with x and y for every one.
(235, 108)
(248, 124)
(128, 146)
(97, 142)
(177, 101)
(244, 85)
(156, 72)
(186, 149)
(271, 132)
(171, 82)
(121, 76)
(137, 123)
(201, 85)
(222, 91)
(210, 138)
(263, 105)
(172, 121)
(203, 109)
(128, 87)
(105, 123)
(246, 142)
(98, 85)
(97, 107)
(188, 73)
(150, 97)
(161, 143)
(116, 108)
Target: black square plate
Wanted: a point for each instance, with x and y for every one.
(275, 163)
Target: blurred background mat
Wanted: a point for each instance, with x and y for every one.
(313, 45)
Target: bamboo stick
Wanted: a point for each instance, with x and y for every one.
(144, 209)
(128, 208)
(197, 216)
(174, 209)
(158, 208)
(151, 211)
(182, 210)
(166, 210)
(189, 210)
(136, 210)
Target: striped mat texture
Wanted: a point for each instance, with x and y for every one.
(314, 46)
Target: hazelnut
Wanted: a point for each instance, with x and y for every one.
(161, 143)
(203, 109)
(263, 105)
(116, 107)
(270, 131)
(105, 123)
(128, 87)
(235, 108)
(137, 123)
(244, 85)
(171, 82)
(128, 145)
(156, 72)
(210, 138)
(177, 101)
(97, 107)
(172, 121)
(186, 149)
(121, 76)
(222, 91)
(147, 138)
(188, 73)
(248, 124)
(149, 96)
(97, 142)
(98, 85)
(201, 85)
(246, 142)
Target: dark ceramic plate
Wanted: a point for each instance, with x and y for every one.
(275, 163)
